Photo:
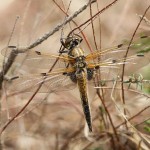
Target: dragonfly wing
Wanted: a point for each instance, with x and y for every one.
(116, 59)
(103, 52)
(141, 45)
(48, 82)
(37, 59)
(137, 63)
(139, 51)
(104, 77)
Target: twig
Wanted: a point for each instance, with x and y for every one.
(6, 67)
(133, 116)
(145, 19)
(110, 119)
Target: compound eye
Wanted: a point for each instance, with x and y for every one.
(81, 40)
(76, 42)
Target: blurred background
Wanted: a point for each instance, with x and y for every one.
(55, 120)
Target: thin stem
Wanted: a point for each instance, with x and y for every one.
(133, 116)
(110, 119)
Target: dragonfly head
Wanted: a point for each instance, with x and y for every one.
(72, 42)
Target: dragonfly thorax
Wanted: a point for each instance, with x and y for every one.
(80, 65)
(76, 52)
(78, 55)
(80, 62)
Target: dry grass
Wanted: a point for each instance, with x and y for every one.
(55, 120)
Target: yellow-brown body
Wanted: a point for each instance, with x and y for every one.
(81, 78)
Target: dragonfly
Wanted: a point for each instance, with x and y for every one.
(77, 69)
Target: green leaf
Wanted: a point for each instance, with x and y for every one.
(147, 129)
(147, 122)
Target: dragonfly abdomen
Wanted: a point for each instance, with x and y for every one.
(81, 81)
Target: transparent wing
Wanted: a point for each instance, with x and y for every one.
(141, 45)
(138, 46)
(101, 52)
(138, 56)
(48, 82)
(38, 59)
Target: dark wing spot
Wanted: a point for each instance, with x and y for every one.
(145, 36)
(114, 61)
(13, 78)
(44, 74)
(37, 52)
(120, 45)
(11, 46)
(96, 67)
(64, 73)
(140, 55)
